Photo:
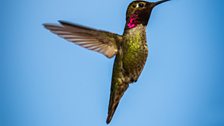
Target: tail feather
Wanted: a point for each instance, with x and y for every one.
(115, 96)
(111, 113)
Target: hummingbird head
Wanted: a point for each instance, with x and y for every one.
(139, 11)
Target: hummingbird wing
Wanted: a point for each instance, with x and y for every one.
(92, 39)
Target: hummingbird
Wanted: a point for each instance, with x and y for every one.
(130, 49)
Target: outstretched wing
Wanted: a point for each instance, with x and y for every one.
(92, 39)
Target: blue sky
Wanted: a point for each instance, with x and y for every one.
(47, 81)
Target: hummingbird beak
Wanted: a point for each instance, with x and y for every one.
(159, 2)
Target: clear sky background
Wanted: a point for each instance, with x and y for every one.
(47, 81)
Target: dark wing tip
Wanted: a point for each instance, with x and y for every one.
(46, 25)
(50, 25)
(81, 27)
(62, 22)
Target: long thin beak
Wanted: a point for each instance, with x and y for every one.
(159, 2)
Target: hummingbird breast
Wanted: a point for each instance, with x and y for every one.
(135, 52)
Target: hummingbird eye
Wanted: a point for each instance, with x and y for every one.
(141, 5)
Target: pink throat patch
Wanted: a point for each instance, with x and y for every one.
(133, 21)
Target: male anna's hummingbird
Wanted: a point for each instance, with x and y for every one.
(130, 48)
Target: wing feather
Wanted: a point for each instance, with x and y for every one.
(100, 41)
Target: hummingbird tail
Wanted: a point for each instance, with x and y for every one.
(115, 97)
